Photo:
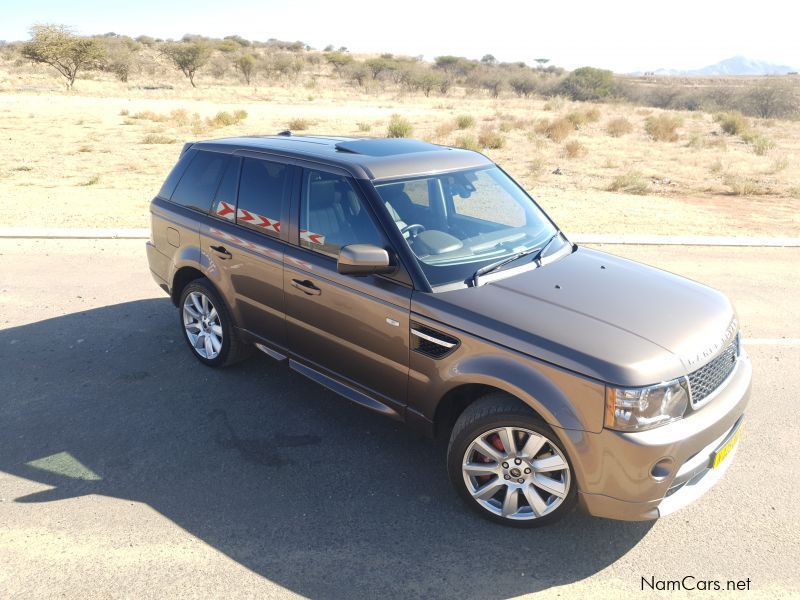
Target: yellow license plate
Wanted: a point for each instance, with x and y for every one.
(723, 451)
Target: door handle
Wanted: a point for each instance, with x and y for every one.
(306, 286)
(222, 250)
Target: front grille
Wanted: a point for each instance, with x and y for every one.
(708, 378)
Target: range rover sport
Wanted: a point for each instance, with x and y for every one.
(423, 283)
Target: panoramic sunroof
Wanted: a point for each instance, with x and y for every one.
(385, 147)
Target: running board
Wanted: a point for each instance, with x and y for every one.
(344, 390)
(270, 352)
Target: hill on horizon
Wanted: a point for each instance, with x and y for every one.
(736, 65)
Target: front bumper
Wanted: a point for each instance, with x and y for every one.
(615, 470)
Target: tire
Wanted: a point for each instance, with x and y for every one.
(215, 324)
(535, 484)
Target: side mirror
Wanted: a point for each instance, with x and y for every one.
(363, 259)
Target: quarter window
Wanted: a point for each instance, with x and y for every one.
(333, 215)
(225, 201)
(262, 188)
(198, 184)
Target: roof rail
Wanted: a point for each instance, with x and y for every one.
(286, 133)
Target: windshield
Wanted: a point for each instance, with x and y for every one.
(457, 222)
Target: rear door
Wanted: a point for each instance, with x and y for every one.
(244, 244)
(353, 329)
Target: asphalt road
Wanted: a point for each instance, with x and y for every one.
(129, 470)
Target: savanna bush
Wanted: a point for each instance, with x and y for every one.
(732, 123)
(399, 127)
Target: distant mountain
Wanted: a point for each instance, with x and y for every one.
(737, 65)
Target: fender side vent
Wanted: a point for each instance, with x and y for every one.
(431, 342)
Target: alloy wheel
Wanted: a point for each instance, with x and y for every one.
(516, 473)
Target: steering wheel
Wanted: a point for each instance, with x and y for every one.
(416, 228)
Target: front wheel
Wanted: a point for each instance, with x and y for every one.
(509, 465)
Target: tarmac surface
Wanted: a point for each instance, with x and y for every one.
(127, 469)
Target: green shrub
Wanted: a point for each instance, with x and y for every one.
(588, 83)
(631, 182)
(155, 138)
(465, 121)
(618, 127)
(758, 143)
(467, 142)
(489, 138)
(363, 126)
(399, 127)
(225, 119)
(732, 123)
(663, 128)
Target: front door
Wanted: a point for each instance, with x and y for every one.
(354, 329)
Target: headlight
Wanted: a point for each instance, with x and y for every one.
(635, 409)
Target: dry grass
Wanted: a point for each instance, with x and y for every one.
(574, 149)
(745, 186)
(467, 142)
(557, 130)
(299, 124)
(465, 121)
(618, 127)
(663, 128)
(489, 138)
(156, 138)
(697, 198)
(632, 182)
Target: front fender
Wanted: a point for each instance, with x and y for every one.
(561, 398)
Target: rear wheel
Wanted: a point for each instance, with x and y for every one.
(509, 465)
(207, 326)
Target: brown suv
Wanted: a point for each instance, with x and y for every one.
(423, 283)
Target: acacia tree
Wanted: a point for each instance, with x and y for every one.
(245, 64)
(57, 46)
(187, 56)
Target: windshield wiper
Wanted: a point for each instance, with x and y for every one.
(537, 252)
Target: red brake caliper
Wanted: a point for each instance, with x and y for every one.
(494, 441)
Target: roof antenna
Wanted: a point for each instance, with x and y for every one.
(286, 133)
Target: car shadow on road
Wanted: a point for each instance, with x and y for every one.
(301, 487)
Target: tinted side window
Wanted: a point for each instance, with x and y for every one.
(333, 215)
(225, 201)
(175, 175)
(262, 188)
(198, 184)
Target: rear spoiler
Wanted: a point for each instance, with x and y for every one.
(186, 146)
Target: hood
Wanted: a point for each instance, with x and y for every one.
(597, 314)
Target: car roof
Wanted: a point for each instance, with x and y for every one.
(365, 158)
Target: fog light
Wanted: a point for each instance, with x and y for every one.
(662, 469)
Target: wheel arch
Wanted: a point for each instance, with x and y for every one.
(549, 393)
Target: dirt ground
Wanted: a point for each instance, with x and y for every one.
(82, 159)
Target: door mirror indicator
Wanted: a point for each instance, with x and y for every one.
(364, 259)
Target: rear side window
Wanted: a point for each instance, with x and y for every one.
(262, 187)
(198, 184)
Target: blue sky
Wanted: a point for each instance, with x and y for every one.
(623, 35)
